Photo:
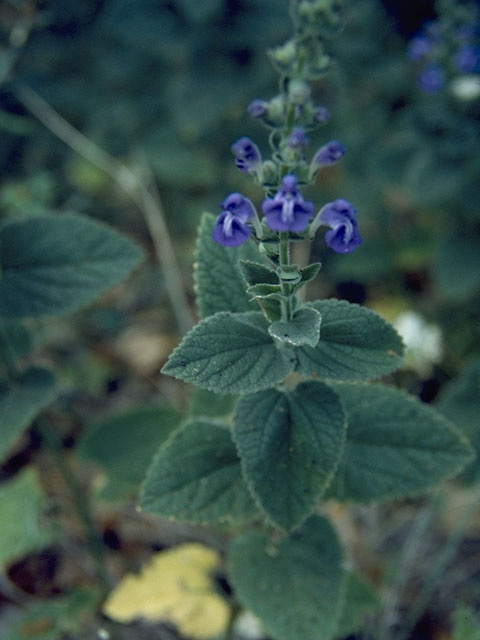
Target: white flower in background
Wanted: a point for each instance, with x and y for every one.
(466, 87)
(249, 626)
(423, 342)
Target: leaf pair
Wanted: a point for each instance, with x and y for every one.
(236, 353)
(292, 449)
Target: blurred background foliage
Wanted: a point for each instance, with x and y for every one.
(163, 86)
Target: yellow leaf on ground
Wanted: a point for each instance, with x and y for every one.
(175, 586)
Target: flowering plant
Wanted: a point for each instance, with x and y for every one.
(288, 417)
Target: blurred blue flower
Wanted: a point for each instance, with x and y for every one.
(341, 217)
(418, 48)
(467, 59)
(321, 115)
(258, 108)
(298, 139)
(432, 78)
(288, 211)
(247, 154)
(231, 229)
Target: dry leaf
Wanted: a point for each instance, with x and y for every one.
(176, 586)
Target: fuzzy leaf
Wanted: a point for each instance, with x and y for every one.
(360, 600)
(21, 401)
(207, 404)
(196, 476)
(57, 264)
(123, 446)
(295, 586)
(289, 444)
(256, 273)
(310, 272)
(396, 446)
(264, 290)
(218, 280)
(229, 353)
(355, 344)
(303, 329)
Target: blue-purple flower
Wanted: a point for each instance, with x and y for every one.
(432, 78)
(288, 210)
(321, 115)
(247, 154)
(231, 229)
(341, 217)
(258, 108)
(467, 59)
(330, 153)
(298, 139)
(419, 48)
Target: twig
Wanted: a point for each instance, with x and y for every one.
(150, 206)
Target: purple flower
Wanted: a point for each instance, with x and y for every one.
(467, 59)
(288, 211)
(258, 108)
(231, 229)
(298, 139)
(340, 216)
(330, 153)
(321, 115)
(247, 155)
(418, 48)
(431, 78)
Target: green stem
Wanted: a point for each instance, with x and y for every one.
(290, 119)
(94, 544)
(284, 260)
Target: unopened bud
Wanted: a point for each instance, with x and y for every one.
(298, 91)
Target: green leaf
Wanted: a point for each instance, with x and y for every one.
(256, 273)
(21, 505)
(289, 444)
(196, 476)
(295, 586)
(396, 446)
(230, 353)
(310, 272)
(218, 280)
(21, 401)
(123, 446)
(208, 404)
(56, 264)
(303, 329)
(355, 344)
(360, 601)
(460, 403)
(264, 290)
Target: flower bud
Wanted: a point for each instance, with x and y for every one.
(258, 108)
(286, 54)
(298, 91)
